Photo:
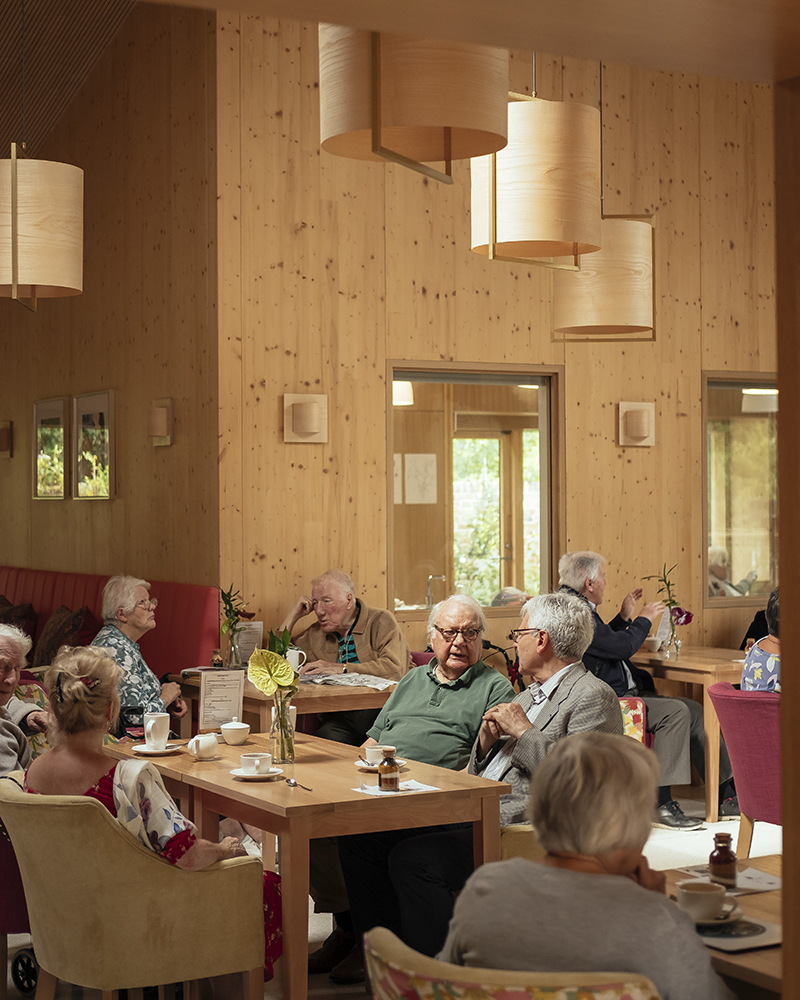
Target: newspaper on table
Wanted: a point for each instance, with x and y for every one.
(221, 696)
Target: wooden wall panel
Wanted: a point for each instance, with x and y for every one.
(142, 128)
(358, 262)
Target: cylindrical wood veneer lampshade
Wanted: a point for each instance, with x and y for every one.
(427, 87)
(49, 228)
(613, 291)
(547, 183)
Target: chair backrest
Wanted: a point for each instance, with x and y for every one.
(106, 912)
(750, 723)
(421, 659)
(397, 972)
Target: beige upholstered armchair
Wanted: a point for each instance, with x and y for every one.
(107, 913)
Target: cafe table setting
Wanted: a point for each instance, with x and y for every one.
(322, 793)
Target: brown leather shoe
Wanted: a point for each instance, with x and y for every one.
(350, 970)
(337, 946)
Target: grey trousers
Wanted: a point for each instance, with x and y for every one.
(677, 726)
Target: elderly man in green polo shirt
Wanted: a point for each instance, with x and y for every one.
(434, 716)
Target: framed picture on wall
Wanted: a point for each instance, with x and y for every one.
(50, 449)
(93, 446)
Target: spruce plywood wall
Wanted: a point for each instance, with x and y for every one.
(142, 129)
(328, 267)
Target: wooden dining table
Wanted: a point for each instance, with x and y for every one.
(699, 667)
(757, 973)
(309, 699)
(334, 805)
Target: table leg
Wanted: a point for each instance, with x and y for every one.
(294, 897)
(486, 832)
(711, 728)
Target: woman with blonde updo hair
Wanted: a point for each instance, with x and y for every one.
(83, 684)
(83, 698)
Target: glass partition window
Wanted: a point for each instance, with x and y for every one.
(471, 503)
(742, 488)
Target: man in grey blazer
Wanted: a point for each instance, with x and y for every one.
(420, 874)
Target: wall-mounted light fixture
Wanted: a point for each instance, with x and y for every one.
(159, 423)
(7, 439)
(305, 417)
(759, 400)
(402, 393)
(637, 425)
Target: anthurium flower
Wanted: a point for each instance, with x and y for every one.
(269, 671)
(680, 615)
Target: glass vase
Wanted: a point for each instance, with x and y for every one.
(281, 733)
(234, 654)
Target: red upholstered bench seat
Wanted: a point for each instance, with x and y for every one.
(187, 629)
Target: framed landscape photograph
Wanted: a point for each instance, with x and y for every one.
(93, 446)
(50, 448)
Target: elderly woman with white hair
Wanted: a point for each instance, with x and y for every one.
(18, 719)
(593, 904)
(129, 613)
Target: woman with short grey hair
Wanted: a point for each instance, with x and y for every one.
(593, 904)
(129, 613)
(18, 719)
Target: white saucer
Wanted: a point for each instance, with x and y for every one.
(374, 767)
(144, 749)
(273, 772)
(730, 914)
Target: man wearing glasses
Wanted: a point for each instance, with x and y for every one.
(435, 712)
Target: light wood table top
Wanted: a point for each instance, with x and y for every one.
(704, 666)
(335, 806)
(761, 967)
(310, 698)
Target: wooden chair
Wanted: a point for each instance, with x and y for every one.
(107, 913)
(750, 723)
(397, 972)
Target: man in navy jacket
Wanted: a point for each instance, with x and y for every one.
(676, 723)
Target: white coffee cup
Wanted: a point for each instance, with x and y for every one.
(374, 755)
(700, 899)
(156, 730)
(234, 733)
(292, 716)
(256, 763)
(652, 643)
(296, 657)
(204, 747)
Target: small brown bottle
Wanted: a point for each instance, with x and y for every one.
(389, 771)
(722, 862)
(217, 663)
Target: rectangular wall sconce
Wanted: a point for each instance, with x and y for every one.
(159, 423)
(637, 425)
(305, 417)
(7, 439)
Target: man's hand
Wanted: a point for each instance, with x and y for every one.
(653, 610)
(630, 602)
(37, 721)
(303, 607)
(319, 667)
(644, 875)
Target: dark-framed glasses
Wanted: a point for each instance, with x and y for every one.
(469, 634)
(515, 633)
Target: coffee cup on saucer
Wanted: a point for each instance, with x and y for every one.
(700, 899)
(156, 730)
(256, 763)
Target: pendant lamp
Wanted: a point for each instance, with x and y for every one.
(41, 229)
(410, 100)
(540, 196)
(613, 294)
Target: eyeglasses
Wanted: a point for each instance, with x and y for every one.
(515, 633)
(149, 605)
(450, 634)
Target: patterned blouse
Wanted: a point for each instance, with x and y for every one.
(139, 688)
(762, 670)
